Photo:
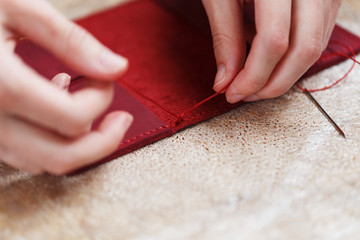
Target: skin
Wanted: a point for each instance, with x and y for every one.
(287, 37)
(44, 128)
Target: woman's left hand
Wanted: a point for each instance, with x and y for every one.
(288, 38)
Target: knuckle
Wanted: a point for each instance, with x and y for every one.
(80, 123)
(278, 43)
(76, 121)
(75, 36)
(75, 127)
(311, 51)
(221, 40)
(252, 86)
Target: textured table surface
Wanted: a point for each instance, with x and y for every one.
(274, 169)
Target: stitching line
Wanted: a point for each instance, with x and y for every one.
(144, 134)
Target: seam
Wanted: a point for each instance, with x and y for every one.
(144, 134)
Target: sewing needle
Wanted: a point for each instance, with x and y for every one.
(338, 129)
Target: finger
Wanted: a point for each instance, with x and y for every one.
(327, 19)
(59, 155)
(226, 21)
(96, 145)
(62, 81)
(22, 164)
(305, 49)
(272, 19)
(69, 42)
(9, 38)
(333, 10)
(10, 156)
(30, 96)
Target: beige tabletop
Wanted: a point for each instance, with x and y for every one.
(274, 169)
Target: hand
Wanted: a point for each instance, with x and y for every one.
(288, 37)
(43, 128)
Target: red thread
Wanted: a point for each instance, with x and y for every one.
(353, 58)
(190, 109)
(144, 134)
(147, 98)
(180, 117)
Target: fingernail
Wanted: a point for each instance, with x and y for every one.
(251, 98)
(220, 76)
(62, 80)
(235, 98)
(67, 81)
(112, 62)
(126, 120)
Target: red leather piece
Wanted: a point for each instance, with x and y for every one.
(171, 63)
(145, 126)
(329, 59)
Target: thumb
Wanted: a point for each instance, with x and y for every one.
(73, 45)
(226, 21)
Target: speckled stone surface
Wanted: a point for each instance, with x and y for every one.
(274, 169)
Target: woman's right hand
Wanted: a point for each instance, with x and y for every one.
(43, 128)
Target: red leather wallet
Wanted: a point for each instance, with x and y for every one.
(171, 63)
